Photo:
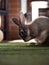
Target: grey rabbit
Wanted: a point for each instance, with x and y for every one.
(37, 30)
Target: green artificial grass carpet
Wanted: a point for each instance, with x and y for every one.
(23, 54)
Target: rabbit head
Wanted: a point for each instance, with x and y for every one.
(23, 29)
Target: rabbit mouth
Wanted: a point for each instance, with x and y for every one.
(27, 38)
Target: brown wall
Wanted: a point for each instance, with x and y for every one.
(14, 9)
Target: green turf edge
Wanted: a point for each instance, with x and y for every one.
(19, 46)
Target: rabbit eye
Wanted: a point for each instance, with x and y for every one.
(21, 31)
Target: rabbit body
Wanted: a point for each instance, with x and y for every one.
(38, 30)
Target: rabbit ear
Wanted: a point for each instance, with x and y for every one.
(16, 21)
(22, 18)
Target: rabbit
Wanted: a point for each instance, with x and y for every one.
(37, 30)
